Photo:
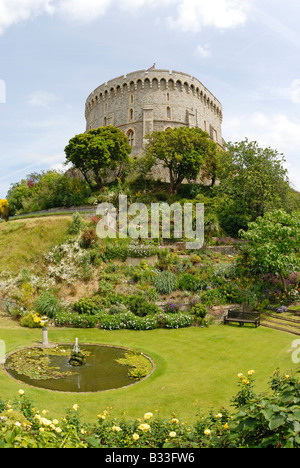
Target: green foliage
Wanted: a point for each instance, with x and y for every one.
(99, 151)
(199, 310)
(165, 282)
(273, 243)
(77, 224)
(253, 181)
(183, 151)
(31, 320)
(267, 420)
(86, 306)
(51, 189)
(47, 304)
(116, 251)
(4, 210)
(188, 282)
(141, 306)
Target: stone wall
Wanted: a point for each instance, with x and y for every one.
(142, 102)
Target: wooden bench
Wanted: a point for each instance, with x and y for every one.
(241, 317)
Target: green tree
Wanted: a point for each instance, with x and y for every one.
(184, 152)
(99, 151)
(273, 244)
(253, 180)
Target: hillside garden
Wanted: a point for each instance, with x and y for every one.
(156, 296)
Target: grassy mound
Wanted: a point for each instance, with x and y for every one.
(24, 243)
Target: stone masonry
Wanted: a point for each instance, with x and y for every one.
(146, 101)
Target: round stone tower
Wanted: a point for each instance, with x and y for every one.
(146, 101)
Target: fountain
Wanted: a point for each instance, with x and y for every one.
(77, 358)
(67, 368)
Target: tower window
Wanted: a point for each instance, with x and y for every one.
(130, 136)
(131, 114)
(168, 112)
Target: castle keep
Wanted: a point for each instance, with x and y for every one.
(146, 101)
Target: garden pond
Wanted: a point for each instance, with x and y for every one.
(106, 367)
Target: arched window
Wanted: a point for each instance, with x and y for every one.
(104, 121)
(168, 112)
(131, 114)
(130, 136)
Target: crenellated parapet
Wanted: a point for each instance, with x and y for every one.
(145, 101)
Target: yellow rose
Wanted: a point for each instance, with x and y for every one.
(21, 392)
(116, 429)
(172, 434)
(207, 432)
(135, 436)
(144, 427)
(148, 415)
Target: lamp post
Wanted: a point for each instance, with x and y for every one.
(44, 320)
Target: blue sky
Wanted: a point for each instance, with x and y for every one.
(55, 52)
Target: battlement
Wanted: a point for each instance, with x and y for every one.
(184, 80)
(145, 101)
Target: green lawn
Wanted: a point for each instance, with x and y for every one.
(196, 368)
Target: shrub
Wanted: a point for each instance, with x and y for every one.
(188, 282)
(199, 310)
(31, 320)
(88, 238)
(140, 306)
(140, 251)
(117, 309)
(211, 297)
(171, 308)
(77, 224)
(86, 306)
(84, 321)
(116, 252)
(231, 293)
(47, 304)
(165, 282)
(4, 210)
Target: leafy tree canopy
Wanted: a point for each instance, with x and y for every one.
(99, 151)
(184, 152)
(273, 243)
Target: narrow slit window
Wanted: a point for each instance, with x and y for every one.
(130, 136)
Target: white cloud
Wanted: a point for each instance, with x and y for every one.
(190, 15)
(193, 15)
(41, 99)
(16, 11)
(276, 131)
(292, 92)
(203, 51)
